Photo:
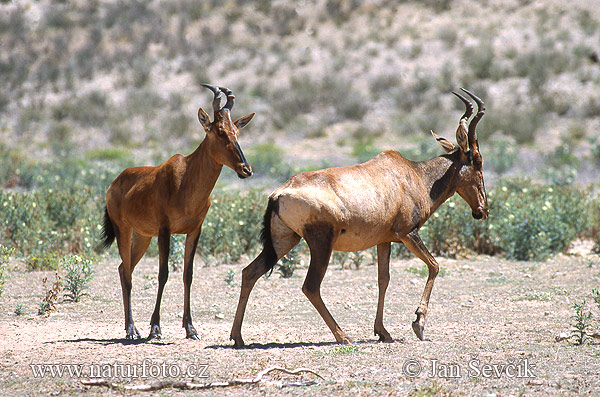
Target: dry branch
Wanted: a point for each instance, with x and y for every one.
(184, 385)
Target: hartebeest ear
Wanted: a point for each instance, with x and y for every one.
(444, 143)
(204, 119)
(462, 137)
(243, 121)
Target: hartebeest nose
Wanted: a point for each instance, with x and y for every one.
(245, 171)
(480, 213)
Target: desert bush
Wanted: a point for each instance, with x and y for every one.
(520, 122)
(340, 257)
(79, 273)
(364, 150)
(42, 261)
(288, 264)
(49, 222)
(501, 154)
(20, 310)
(230, 278)
(581, 322)
(232, 225)
(533, 221)
(5, 254)
(267, 159)
(480, 59)
(526, 222)
(48, 304)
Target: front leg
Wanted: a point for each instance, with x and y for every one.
(414, 243)
(191, 242)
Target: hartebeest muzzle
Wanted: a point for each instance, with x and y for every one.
(244, 170)
(480, 213)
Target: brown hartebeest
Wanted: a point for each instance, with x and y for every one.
(386, 199)
(172, 198)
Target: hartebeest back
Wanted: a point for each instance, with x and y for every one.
(172, 198)
(386, 199)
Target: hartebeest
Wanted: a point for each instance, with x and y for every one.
(172, 198)
(386, 199)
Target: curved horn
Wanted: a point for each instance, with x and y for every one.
(230, 98)
(468, 105)
(217, 99)
(478, 116)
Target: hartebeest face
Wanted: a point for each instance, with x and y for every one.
(471, 186)
(222, 134)
(472, 190)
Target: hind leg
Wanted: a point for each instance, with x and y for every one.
(164, 237)
(123, 235)
(284, 239)
(383, 279)
(320, 241)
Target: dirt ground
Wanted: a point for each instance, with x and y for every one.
(492, 326)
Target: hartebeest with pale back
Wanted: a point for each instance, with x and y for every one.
(386, 199)
(172, 198)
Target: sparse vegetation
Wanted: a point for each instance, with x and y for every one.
(93, 87)
(20, 310)
(288, 264)
(581, 322)
(230, 278)
(52, 293)
(348, 349)
(423, 271)
(5, 254)
(79, 274)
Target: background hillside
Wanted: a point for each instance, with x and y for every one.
(332, 81)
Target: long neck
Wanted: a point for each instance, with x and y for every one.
(202, 171)
(440, 176)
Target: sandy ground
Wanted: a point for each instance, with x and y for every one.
(492, 326)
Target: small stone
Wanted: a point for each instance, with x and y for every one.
(220, 316)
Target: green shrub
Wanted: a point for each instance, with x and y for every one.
(526, 222)
(20, 310)
(42, 261)
(5, 254)
(266, 159)
(581, 322)
(176, 251)
(533, 221)
(288, 264)
(79, 273)
(51, 221)
(232, 225)
(230, 278)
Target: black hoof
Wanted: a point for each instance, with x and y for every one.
(238, 343)
(384, 337)
(193, 336)
(418, 329)
(132, 333)
(155, 332)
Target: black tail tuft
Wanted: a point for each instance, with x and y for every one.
(266, 238)
(108, 232)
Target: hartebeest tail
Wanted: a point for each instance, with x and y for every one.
(265, 236)
(108, 234)
(172, 198)
(386, 199)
